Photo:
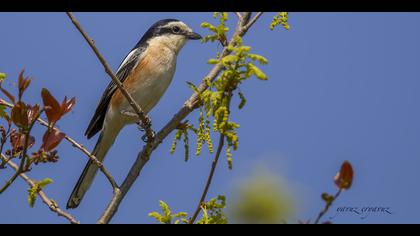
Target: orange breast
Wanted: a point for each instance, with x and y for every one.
(143, 69)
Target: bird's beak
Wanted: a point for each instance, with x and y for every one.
(194, 36)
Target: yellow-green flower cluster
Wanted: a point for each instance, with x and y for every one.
(281, 18)
(219, 32)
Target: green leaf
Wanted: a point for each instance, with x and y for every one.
(45, 182)
(262, 60)
(213, 211)
(209, 26)
(167, 216)
(229, 59)
(155, 215)
(257, 72)
(165, 208)
(205, 218)
(33, 191)
(32, 196)
(212, 61)
(181, 214)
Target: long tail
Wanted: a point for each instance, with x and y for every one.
(105, 141)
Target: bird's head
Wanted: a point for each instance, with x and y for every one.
(169, 32)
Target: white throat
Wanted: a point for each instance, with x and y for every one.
(173, 42)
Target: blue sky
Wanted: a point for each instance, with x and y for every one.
(342, 86)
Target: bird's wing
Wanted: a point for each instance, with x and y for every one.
(130, 62)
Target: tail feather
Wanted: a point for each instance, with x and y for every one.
(82, 185)
(105, 141)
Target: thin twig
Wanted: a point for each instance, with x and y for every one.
(245, 17)
(101, 166)
(209, 179)
(52, 205)
(189, 106)
(3, 142)
(238, 14)
(255, 18)
(79, 146)
(327, 206)
(145, 120)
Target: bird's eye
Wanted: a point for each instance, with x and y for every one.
(176, 29)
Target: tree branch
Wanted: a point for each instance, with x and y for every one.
(52, 205)
(191, 104)
(209, 179)
(146, 123)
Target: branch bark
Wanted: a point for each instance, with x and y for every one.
(143, 157)
(239, 15)
(52, 205)
(255, 18)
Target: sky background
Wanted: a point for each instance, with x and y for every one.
(342, 86)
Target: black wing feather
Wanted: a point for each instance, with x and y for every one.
(98, 118)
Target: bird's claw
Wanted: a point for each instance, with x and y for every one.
(139, 126)
(145, 137)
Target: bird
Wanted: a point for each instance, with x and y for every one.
(146, 73)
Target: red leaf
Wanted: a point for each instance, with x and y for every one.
(33, 113)
(344, 178)
(18, 141)
(51, 139)
(66, 106)
(52, 107)
(8, 95)
(23, 83)
(20, 115)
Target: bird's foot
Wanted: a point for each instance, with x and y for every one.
(146, 138)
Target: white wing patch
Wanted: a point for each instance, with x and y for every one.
(129, 58)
